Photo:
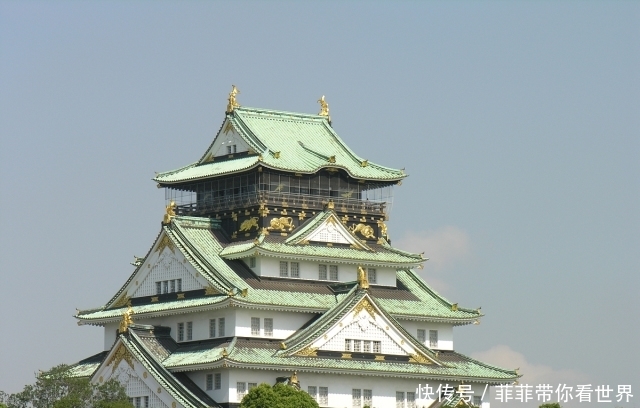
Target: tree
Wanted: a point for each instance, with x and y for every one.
(278, 396)
(550, 405)
(57, 389)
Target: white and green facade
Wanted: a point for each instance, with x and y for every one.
(255, 280)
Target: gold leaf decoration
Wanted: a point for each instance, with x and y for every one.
(121, 353)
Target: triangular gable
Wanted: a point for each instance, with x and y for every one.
(142, 376)
(326, 227)
(227, 143)
(357, 318)
(166, 261)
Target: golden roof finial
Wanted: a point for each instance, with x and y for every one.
(363, 280)
(324, 108)
(126, 320)
(232, 99)
(169, 212)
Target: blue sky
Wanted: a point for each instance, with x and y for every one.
(517, 123)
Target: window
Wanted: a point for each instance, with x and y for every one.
(322, 272)
(217, 381)
(165, 287)
(323, 396)
(295, 270)
(356, 397)
(241, 389)
(356, 345)
(399, 399)
(172, 285)
(477, 401)
(411, 399)
(209, 382)
(180, 331)
(366, 346)
(252, 385)
(284, 269)
(433, 338)
(229, 149)
(367, 396)
(179, 284)
(371, 275)
(255, 326)
(376, 346)
(235, 148)
(347, 344)
(140, 402)
(252, 262)
(333, 272)
(158, 288)
(313, 392)
(268, 327)
(212, 328)
(221, 327)
(189, 330)
(422, 336)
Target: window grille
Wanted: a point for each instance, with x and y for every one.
(235, 148)
(313, 392)
(323, 395)
(371, 275)
(165, 286)
(422, 336)
(229, 149)
(295, 269)
(217, 381)
(356, 345)
(221, 327)
(255, 326)
(189, 330)
(356, 397)
(322, 272)
(180, 331)
(158, 288)
(241, 389)
(433, 338)
(399, 399)
(172, 285)
(284, 269)
(268, 327)
(377, 346)
(209, 382)
(347, 344)
(477, 401)
(179, 284)
(212, 328)
(367, 396)
(136, 401)
(145, 402)
(252, 262)
(366, 346)
(252, 385)
(411, 399)
(333, 272)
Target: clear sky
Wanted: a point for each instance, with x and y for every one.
(517, 123)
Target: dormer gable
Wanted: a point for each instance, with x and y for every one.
(326, 228)
(227, 144)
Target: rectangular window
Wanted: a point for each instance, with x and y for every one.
(158, 288)
(241, 389)
(172, 285)
(347, 344)
(356, 345)
(179, 285)
(217, 381)
(268, 327)
(212, 328)
(433, 338)
(189, 330)
(209, 382)
(411, 399)
(313, 392)
(377, 347)
(145, 402)
(252, 385)
(477, 401)
(235, 148)
(356, 397)
(180, 331)
(255, 326)
(371, 275)
(295, 270)
(229, 149)
(137, 402)
(399, 399)
(422, 336)
(367, 396)
(284, 269)
(252, 262)
(366, 346)
(221, 327)
(165, 286)
(323, 395)
(322, 272)
(333, 272)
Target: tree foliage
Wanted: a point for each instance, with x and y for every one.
(278, 396)
(550, 405)
(56, 389)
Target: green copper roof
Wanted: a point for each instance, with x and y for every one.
(285, 141)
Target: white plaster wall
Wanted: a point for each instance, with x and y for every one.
(373, 332)
(110, 334)
(200, 379)
(445, 332)
(284, 323)
(219, 147)
(200, 323)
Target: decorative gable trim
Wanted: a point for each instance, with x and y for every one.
(327, 228)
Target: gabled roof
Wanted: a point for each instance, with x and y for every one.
(287, 141)
(326, 227)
